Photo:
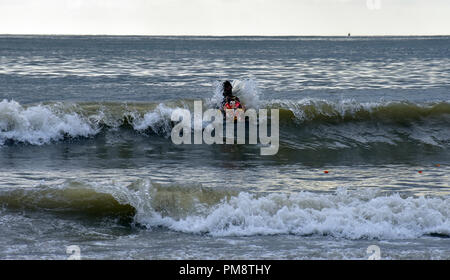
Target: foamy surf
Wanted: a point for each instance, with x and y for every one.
(40, 124)
(195, 209)
(350, 215)
(306, 124)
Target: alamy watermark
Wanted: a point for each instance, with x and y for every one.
(374, 251)
(74, 252)
(373, 4)
(213, 133)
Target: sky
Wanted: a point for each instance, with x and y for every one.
(226, 17)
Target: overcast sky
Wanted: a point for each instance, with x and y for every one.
(226, 17)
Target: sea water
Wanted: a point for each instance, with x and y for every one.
(86, 157)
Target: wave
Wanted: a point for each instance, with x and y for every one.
(314, 110)
(40, 124)
(344, 122)
(359, 214)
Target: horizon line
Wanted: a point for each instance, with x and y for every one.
(209, 35)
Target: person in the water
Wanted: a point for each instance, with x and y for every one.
(229, 100)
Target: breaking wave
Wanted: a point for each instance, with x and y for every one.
(359, 214)
(346, 122)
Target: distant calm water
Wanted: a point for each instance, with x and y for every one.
(86, 157)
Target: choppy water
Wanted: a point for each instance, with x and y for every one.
(86, 157)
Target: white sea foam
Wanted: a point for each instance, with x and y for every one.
(360, 214)
(39, 124)
(158, 120)
(357, 214)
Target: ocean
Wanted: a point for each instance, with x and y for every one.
(86, 157)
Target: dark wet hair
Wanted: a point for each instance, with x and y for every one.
(227, 88)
